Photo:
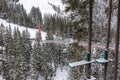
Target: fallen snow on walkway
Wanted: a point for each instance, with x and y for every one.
(0, 77)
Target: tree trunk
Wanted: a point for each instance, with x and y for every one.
(88, 71)
(108, 37)
(117, 44)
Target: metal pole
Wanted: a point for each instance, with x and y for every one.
(117, 43)
(89, 38)
(108, 37)
(39, 38)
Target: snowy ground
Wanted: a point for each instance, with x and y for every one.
(42, 4)
(0, 77)
(60, 75)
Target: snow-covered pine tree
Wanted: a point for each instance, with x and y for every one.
(8, 55)
(20, 70)
(51, 60)
(4, 5)
(3, 9)
(48, 21)
(76, 53)
(55, 24)
(45, 59)
(26, 49)
(18, 52)
(1, 34)
(36, 60)
(23, 51)
(1, 46)
(35, 15)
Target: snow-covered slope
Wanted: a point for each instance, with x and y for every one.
(42, 4)
(21, 28)
(62, 74)
(0, 77)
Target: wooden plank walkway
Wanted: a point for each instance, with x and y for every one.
(79, 63)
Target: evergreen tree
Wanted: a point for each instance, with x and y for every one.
(45, 60)
(36, 60)
(78, 9)
(24, 16)
(17, 54)
(27, 50)
(55, 24)
(35, 15)
(4, 5)
(1, 46)
(20, 21)
(1, 34)
(8, 55)
(50, 62)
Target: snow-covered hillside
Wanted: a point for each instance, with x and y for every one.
(21, 28)
(42, 4)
